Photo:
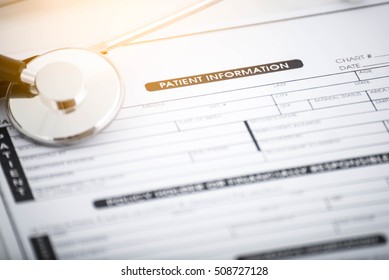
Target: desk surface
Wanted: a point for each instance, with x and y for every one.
(3, 254)
(41, 21)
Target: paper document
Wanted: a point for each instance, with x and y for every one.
(269, 141)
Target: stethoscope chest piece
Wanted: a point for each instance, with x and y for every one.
(75, 94)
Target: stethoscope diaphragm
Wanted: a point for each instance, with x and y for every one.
(77, 92)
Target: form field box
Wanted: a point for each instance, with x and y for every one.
(373, 73)
(326, 146)
(270, 123)
(219, 119)
(341, 99)
(294, 107)
(379, 93)
(382, 104)
(326, 135)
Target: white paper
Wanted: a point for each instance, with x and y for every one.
(282, 164)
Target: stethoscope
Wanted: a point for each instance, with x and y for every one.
(67, 95)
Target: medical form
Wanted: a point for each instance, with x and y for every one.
(267, 141)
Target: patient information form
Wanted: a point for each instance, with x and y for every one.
(268, 141)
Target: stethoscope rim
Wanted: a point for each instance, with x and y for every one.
(99, 123)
